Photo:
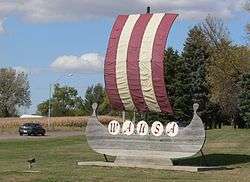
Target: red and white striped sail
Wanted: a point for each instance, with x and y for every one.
(133, 70)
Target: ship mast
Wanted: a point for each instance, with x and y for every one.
(145, 115)
(148, 9)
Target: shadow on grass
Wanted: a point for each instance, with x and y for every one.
(213, 160)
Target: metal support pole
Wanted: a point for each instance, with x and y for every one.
(123, 116)
(106, 159)
(146, 116)
(133, 117)
(49, 112)
(204, 158)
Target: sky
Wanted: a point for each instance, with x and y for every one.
(51, 39)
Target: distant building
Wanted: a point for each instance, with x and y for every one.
(30, 116)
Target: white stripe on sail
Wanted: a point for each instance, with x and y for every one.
(121, 63)
(145, 62)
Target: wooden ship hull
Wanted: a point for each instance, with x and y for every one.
(186, 143)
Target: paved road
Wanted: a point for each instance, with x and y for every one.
(56, 134)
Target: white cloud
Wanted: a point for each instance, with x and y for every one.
(86, 63)
(65, 10)
(2, 30)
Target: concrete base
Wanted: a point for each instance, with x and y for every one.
(166, 167)
(142, 161)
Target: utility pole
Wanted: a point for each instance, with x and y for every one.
(49, 112)
(50, 98)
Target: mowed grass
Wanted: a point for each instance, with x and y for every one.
(56, 161)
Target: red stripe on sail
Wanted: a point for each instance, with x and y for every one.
(110, 63)
(157, 62)
(133, 70)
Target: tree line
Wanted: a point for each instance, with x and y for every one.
(65, 101)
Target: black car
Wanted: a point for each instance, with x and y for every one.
(31, 129)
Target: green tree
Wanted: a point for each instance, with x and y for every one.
(186, 80)
(170, 65)
(196, 56)
(244, 100)
(226, 64)
(177, 81)
(96, 93)
(65, 102)
(14, 91)
(43, 108)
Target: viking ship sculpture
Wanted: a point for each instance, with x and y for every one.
(134, 81)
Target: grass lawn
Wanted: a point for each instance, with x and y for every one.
(56, 161)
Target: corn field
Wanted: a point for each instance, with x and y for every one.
(6, 123)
